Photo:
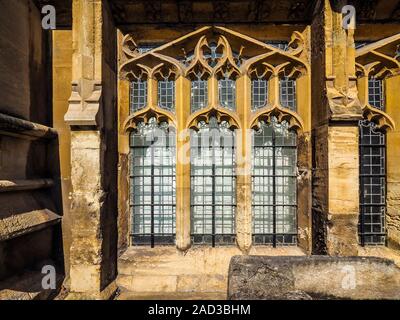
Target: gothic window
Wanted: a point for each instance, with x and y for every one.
(259, 93)
(198, 94)
(274, 186)
(166, 94)
(152, 177)
(213, 184)
(372, 184)
(227, 92)
(287, 89)
(375, 93)
(138, 95)
(197, 79)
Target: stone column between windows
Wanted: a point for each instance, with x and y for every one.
(183, 209)
(92, 118)
(335, 127)
(243, 219)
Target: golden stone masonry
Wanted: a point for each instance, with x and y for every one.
(300, 175)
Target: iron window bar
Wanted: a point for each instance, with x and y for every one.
(213, 199)
(372, 149)
(265, 159)
(152, 187)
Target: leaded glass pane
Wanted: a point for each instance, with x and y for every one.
(283, 45)
(375, 93)
(259, 93)
(213, 187)
(199, 93)
(166, 94)
(274, 184)
(138, 95)
(372, 184)
(287, 88)
(152, 184)
(227, 93)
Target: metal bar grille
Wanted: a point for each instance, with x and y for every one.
(138, 95)
(372, 184)
(227, 93)
(375, 93)
(274, 184)
(213, 187)
(152, 185)
(199, 93)
(166, 94)
(287, 89)
(259, 93)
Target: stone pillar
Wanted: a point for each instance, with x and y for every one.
(392, 86)
(244, 223)
(92, 116)
(183, 223)
(335, 127)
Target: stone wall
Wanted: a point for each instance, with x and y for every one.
(30, 203)
(62, 77)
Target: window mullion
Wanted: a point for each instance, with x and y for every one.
(273, 189)
(213, 191)
(152, 196)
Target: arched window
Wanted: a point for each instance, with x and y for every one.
(372, 184)
(198, 93)
(287, 89)
(227, 92)
(166, 94)
(213, 184)
(152, 184)
(376, 93)
(372, 172)
(259, 93)
(138, 95)
(274, 184)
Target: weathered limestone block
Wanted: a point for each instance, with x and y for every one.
(92, 118)
(294, 278)
(201, 270)
(343, 193)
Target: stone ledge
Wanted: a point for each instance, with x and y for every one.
(21, 185)
(27, 222)
(313, 277)
(16, 127)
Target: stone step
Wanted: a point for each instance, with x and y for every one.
(166, 271)
(127, 295)
(201, 260)
(173, 283)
